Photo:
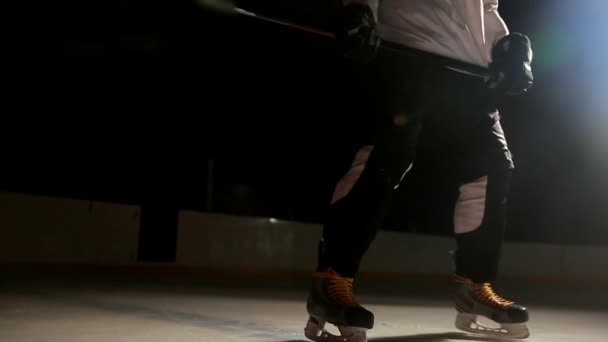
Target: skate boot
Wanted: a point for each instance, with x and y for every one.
(331, 300)
(473, 300)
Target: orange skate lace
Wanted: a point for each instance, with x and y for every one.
(485, 293)
(340, 288)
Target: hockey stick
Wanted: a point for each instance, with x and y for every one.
(229, 8)
(285, 23)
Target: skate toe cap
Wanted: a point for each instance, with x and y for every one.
(360, 317)
(518, 313)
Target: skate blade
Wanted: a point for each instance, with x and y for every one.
(469, 323)
(315, 331)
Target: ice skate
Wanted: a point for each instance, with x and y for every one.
(331, 300)
(473, 300)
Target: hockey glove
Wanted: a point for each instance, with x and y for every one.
(357, 34)
(511, 70)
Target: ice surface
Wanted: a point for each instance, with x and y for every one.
(113, 311)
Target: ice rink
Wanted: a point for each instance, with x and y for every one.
(101, 309)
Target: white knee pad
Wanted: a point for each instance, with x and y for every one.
(470, 206)
(347, 182)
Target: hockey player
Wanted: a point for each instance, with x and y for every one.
(426, 104)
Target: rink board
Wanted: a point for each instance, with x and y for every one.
(231, 242)
(39, 229)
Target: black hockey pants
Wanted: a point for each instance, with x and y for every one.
(426, 112)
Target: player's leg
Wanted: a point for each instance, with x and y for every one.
(359, 205)
(479, 225)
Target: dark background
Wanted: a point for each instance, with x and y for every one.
(101, 100)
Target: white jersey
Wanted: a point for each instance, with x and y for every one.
(465, 30)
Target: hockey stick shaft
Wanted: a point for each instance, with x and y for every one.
(285, 23)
